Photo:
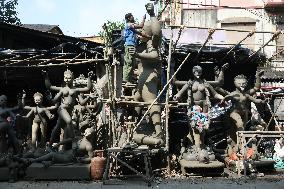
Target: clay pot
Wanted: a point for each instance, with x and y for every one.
(98, 166)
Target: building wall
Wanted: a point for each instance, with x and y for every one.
(263, 23)
(194, 14)
(199, 17)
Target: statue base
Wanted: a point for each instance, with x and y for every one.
(37, 171)
(262, 166)
(204, 169)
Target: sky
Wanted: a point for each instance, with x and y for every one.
(78, 17)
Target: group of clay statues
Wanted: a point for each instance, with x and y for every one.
(71, 116)
(73, 104)
(200, 92)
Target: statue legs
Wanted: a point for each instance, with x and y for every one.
(198, 138)
(147, 92)
(35, 127)
(6, 127)
(55, 157)
(238, 125)
(43, 127)
(67, 130)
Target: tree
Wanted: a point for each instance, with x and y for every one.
(8, 13)
(108, 28)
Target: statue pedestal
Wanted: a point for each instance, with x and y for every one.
(4, 173)
(36, 171)
(204, 169)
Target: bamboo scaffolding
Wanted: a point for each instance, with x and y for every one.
(236, 30)
(27, 59)
(275, 54)
(61, 59)
(44, 62)
(60, 64)
(135, 103)
(276, 34)
(10, 59)
(178, 69)
(232, 48)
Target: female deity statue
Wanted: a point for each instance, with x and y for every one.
(68, 95)
(39, 121)
(240, 99)
(199, 90)
(6, 122)
(148, 70)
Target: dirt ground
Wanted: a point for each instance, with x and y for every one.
(188, 183)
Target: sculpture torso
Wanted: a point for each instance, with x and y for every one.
(68, 96)
(39, 113)
(198, 90)
(240, 102)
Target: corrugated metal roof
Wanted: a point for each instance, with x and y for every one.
(273, 74)
(43, 27)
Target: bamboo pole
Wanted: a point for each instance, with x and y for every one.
(135, 103)
(276, 34)
(167, 110)
(232, 48)
(26, 59)
(10, 59)
(60, 64)
(275, 54)
(224, 29)
(54, 58)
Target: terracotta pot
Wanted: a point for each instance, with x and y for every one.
(98, 166)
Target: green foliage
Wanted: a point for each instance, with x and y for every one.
(109, 26)
(8, 13)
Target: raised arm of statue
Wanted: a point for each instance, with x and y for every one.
(83, 101)
(48, 83)
(257, 84)
(57, 97)
(220, 80)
